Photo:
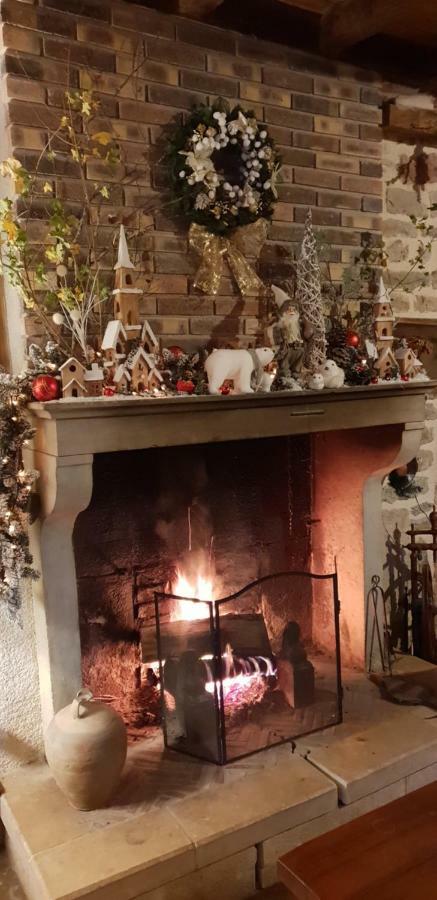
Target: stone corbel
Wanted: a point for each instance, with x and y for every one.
(65, 488)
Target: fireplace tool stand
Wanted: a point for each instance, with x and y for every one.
(423, 608)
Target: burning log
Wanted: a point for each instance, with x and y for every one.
(246, 634)
(295, 672)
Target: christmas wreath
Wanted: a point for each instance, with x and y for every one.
(223, 167)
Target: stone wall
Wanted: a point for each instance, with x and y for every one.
(415, 304)
(324, 116)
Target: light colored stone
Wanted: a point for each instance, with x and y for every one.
(9, 886)
(34, 807)
(375, 757)
(274, 847)
(398, 251)
(236, 875)
(267, 876)
(117, 863)
(421, 778)
(20, 863)
(404, 201)
(256, 807)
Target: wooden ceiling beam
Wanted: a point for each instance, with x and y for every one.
(348, 22)
(315, 6)
(196, 9)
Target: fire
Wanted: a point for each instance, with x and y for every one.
(200, 588)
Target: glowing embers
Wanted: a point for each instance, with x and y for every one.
(240, 675)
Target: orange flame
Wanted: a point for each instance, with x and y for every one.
(200, 588)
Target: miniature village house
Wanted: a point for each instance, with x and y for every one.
(122, 379)
(114, 344)
(73, 378)
(386, 363)
(383, 318)
(144, 374)
(93, 378)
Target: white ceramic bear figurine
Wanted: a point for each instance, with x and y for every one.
(236, 366)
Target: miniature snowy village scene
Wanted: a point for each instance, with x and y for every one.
(303, 349)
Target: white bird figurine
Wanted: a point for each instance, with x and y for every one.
(333, 376)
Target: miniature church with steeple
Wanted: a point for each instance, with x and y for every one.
(126, 295)
(383, 324)
(126, 334)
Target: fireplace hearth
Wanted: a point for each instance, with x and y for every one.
(246, 672)
(104, 457)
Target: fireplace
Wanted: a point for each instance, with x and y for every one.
(208, 522)
(298, 476)
(185, 619)
(245, 672)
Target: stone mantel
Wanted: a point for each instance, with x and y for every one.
(374, 428)
(66, 428)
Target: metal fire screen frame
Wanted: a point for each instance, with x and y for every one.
(214, 624)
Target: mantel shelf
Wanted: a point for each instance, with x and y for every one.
(108, 424)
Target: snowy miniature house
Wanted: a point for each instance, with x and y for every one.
(407, 360)
(114, 344)
(122, 379)
(386, 362)
(72, 377)
(126, 295)
(148, 338)
(144, 374)
(94, 380)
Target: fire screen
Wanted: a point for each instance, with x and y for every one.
(251, 670)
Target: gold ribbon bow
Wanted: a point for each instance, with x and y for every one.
(212, 249)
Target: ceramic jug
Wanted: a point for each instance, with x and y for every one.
(86, 746)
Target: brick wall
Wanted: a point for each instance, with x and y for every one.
(324, 116)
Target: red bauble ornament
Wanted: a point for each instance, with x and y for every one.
(108, 390)
(185, 387)
(176, 351)
(225, 388)
(352, 339)
(405, 377)
(45, 387)
(374, 380)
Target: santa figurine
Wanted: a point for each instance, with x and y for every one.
(285, 334)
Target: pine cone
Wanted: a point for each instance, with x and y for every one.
(343, 356)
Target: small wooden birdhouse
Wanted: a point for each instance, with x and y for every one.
(94, 380)
(406, 359)
(126, 294)
(386, 362)
(114, 344)
(122, 379)
(72, 378)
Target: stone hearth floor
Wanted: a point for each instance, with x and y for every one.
(179, 829)
(10, 888)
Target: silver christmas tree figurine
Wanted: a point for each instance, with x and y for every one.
(309, 297)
